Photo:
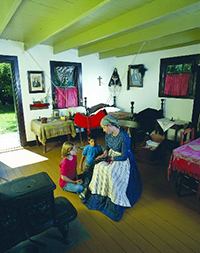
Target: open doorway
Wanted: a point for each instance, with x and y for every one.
(12, 133)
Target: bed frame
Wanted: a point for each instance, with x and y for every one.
(114, 105)
(114, 102)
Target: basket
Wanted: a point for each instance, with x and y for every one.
(152, 148)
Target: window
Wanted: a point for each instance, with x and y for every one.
(178, 76)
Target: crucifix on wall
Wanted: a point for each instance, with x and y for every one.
(99, 78)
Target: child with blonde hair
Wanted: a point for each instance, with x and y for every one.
(68, 174)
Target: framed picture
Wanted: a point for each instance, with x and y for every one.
(56, 113)
(178, 76)
(36, 81)
(135, 75)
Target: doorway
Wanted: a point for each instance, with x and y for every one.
(11, 140)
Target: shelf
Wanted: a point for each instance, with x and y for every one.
(39, 106)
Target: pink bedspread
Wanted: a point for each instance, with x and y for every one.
(186, 159)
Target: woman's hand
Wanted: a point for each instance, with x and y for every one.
(103, 155)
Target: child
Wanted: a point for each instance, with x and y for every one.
(68, 175)
(90, 152)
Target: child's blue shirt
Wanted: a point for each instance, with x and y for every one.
(91, 153)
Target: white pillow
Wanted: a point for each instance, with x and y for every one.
(109, 109)
(112, 109)
(80, 109)
(73, 110)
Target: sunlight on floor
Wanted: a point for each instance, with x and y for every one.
(9, 141)
(20, 157)
(13, 155)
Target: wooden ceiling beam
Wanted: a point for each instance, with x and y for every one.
(7, 10)
(154, 12)
(80, 10)
(167, 42)
(174, 26)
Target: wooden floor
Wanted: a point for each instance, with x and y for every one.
(158, 222)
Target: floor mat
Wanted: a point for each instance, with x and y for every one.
(52, 240)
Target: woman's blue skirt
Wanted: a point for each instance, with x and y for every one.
(108, 208)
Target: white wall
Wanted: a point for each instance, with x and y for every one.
(39, 57)
(147, 96)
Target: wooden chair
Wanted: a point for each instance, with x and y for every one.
(189, 132)
(183, 180)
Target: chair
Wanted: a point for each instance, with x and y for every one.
(184, 136)
(183, 180)
(88, 122)
(147, 121)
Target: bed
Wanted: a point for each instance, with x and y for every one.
(94, 114)
(89, 111)
(138, 125)
(110, 109)
(145, 118)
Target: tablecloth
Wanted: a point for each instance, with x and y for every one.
(52, 128)
(166, 123)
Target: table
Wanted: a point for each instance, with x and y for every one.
(186, 159)
(167, 124)
(131, 127)
(53, 128)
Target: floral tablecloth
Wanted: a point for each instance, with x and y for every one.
(121, 115)
(186, 159)
(52, 128)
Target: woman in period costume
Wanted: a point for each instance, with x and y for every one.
(116, 183)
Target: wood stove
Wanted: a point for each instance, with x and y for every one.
(28, 207)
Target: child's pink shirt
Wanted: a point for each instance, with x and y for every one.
(68, 169)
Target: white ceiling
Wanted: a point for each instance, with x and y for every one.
(108, 27)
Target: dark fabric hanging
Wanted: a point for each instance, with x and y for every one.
(115, 80)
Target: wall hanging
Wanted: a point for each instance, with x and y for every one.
(66, 80)
(115, 85)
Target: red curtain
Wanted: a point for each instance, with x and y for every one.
(177, 85)
(66, 97)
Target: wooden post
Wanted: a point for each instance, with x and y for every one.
(132, 107)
